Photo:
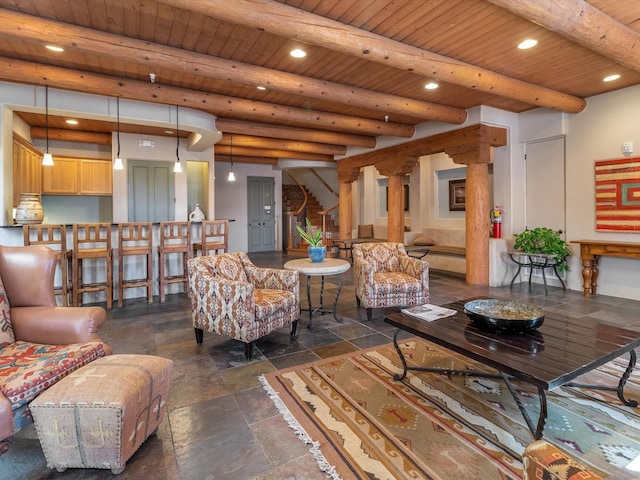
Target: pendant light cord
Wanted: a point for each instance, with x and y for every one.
(118, 113)
(46, 117)
(177, 137)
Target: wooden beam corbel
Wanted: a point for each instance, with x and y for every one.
(396, 166)
(347, 173)
(469, 154)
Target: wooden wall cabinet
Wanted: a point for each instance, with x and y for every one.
(77, 176)
(95, 177)
(27, 169)
(61, 178)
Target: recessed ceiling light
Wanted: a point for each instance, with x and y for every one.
(528, 43)
(169, 132)
(260, 87)
(611, 78)
(298, 53)
(53, 48)
(72, 122)
(431, 86)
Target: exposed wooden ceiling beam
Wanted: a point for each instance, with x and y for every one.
(261, 142)
(581, 22)
(242, 159)
(294, 23)
(72, 135)
(89, 41)
(27, 72)
(271, 153)
(292, 133)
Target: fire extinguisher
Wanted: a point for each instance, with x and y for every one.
(496, 220)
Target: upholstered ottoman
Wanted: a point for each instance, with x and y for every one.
(99, 415)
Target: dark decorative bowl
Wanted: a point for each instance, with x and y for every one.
(504, 315)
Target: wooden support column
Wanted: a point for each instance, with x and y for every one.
(344, 210)
(395, 212)
(347, 174)
(476, 224)
(396, 167)
(477, 157)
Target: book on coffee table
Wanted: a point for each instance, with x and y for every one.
(428, 312)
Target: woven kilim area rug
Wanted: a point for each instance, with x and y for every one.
(364, 425)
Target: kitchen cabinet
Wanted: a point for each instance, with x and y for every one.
(61, 178)
(77, 176)
(95, 177)
(27, 169)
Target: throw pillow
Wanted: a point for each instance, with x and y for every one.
(365, 231)
(6, 330)
(423, 242)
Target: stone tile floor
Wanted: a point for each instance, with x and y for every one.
(221, 424)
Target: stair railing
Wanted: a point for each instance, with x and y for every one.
(331, 213)
(295, 213)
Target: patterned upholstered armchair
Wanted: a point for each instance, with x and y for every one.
(385, 276)
(231, 296)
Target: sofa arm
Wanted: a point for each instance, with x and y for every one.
(58, 325)
(273, 278)
(543, 460)
(416, 268)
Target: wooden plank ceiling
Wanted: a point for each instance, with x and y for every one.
(364, 74)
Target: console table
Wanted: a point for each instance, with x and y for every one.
(592, 250)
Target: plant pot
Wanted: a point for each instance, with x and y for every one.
(317, 254)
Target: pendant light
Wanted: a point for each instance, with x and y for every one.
(47, 159)
(232, 176)
(117, 165)
(177, 168)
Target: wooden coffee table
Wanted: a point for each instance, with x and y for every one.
(549, 357)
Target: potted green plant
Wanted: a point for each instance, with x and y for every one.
(313, 236)
(543, 240)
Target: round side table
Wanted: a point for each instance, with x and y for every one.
(329, 266)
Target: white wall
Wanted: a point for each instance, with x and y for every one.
(597, 134)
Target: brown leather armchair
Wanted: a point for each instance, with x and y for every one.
(39, 342)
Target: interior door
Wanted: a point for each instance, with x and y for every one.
(545, 184)
(261, 215)
(151, 196)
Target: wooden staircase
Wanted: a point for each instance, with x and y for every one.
(292, 198)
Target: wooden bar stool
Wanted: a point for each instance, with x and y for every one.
(54, 237)
(92, 241)
(135, 239)
(214, 236)
(175, 237)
